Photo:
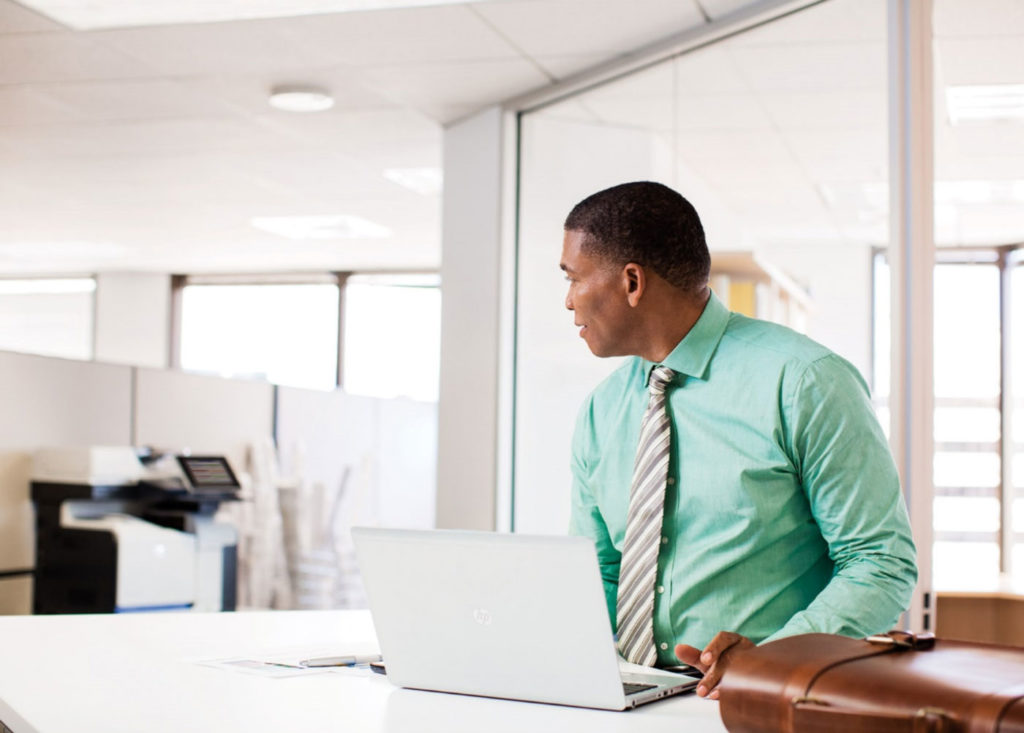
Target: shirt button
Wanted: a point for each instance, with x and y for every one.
(664, 540)
(661, 589)
(664, 646)
(671, 481)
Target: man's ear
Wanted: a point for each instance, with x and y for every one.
(635, 280)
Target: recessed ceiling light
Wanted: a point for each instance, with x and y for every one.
(300, 98)
(127, 13)
(427, 181)
(985, 103)
(340, 226)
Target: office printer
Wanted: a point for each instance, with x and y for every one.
(123, 531)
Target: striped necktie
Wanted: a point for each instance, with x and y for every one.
(639, 566)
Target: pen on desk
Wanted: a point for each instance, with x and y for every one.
(350, 660)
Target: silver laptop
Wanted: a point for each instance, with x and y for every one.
(500, 615)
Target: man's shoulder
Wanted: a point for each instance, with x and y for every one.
(774, 341)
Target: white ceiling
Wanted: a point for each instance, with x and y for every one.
(152, 148)
(784, 129)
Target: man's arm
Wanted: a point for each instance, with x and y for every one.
(853, 490)
(586, 520)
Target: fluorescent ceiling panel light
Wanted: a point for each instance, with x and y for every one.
(340, 226)
(985, 103)
(979, 192)
(48, 286)
(426, 181)
(128, 13)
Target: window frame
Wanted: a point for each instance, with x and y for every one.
(1005, 258)
(339, 278)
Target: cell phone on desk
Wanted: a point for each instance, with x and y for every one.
(685, 669)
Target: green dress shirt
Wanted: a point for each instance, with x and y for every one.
(783, 511)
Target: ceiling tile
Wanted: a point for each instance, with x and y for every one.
(561, 67)
(840, 110)
(851, 155)
(139, 138)
(15, 18)
(835, 21)
(243, 47)
(437, 34)
(443, 91)
(978, 18)
(23, 105)
(589, 27)
(992, 61)
(813, 67)
(711, 70)
(112, 101)
(719, 8)
(43, 57)
(726, 158)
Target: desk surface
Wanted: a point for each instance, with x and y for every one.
(131, 673)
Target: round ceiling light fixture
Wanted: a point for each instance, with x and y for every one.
(300, 98)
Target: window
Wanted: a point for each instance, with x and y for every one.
(286, 333)
(971, 397)
(392, 344)
(51, 317)
(1014, 406)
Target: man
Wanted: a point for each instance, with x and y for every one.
(749, 494)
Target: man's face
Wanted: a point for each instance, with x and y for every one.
(598, 296)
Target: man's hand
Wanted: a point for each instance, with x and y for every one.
(713, 660)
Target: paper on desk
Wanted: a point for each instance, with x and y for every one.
(259, 666)
(279, 664)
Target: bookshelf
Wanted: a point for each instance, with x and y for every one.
(749, 284)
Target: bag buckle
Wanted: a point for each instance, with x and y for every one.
(904, 640)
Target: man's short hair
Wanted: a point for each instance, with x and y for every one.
(649, 224)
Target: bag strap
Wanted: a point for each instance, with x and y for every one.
(810, 716)
(802, 712)
(987, 712)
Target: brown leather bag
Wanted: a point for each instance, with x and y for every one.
(896, 683)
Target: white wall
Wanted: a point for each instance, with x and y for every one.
(132, 321)
(202, 414)
(471, 255)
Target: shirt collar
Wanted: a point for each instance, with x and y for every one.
(692, 355)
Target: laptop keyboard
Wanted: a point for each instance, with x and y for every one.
(631, 688)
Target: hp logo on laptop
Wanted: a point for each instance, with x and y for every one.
(482, 616)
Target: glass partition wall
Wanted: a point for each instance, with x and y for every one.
(779, 136)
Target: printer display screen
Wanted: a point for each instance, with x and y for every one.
(208, 472)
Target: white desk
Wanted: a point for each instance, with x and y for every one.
(137, 674)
